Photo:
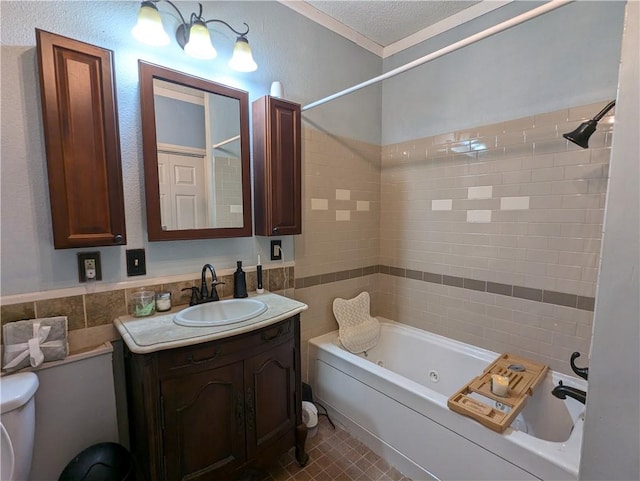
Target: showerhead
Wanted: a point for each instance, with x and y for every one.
(581, 135)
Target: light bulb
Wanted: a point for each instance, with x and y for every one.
(242, 59)
(149, 27)
(199, 44)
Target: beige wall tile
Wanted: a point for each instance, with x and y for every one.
(17, 312)
(72, 307)
(104, 307)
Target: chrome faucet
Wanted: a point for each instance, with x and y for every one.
(561, 392)
(202, 294)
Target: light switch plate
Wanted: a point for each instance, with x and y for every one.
(136, 262)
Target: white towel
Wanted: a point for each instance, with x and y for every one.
(358, 331)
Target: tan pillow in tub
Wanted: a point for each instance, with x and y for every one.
(358, 331)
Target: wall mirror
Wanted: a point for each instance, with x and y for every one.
(195, 136)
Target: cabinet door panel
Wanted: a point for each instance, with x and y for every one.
(269, 390)
(277, 153)
(83, 150)
(204, 423)
(286, 169)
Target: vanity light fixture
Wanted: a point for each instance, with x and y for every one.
(193, 36)
(581, 135)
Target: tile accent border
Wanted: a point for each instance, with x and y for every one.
(539, 295)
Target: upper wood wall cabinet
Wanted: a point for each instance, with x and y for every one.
(277, 166)
(82, 142)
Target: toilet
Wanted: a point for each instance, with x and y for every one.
(17, 424)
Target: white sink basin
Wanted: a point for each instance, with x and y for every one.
(220, 313)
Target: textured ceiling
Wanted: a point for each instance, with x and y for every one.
(387, 21)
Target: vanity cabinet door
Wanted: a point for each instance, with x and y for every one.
(79, 112)
(277, 155)
(270, 398)
(204, 423)
(209, 411)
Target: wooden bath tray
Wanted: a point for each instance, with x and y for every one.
(524, 375)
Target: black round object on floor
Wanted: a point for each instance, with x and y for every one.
(100, 462)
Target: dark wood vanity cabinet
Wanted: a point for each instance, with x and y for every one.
(277, 155)
(210, 411)
(77, 86)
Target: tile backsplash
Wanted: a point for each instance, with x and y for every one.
(91, 314)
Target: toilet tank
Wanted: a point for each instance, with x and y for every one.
(18, 423)
(75, 408)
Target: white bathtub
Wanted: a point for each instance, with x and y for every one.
(395, 400)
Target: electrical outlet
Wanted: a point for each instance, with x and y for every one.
(136, 262)
(89, 266)
(276, 250)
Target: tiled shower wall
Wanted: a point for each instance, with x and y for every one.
(228, 189)
(337, 253)
(489, 235)
(492, 235)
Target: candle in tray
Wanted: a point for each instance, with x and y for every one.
(499, 385)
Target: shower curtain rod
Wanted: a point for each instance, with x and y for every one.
(547, 7)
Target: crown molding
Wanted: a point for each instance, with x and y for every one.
(448, 23)
(321, 18)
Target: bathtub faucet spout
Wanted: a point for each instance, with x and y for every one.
(561, 392)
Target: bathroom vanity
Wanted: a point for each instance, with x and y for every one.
(207, 403)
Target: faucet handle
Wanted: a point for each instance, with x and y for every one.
(214, 292)
(194, 295)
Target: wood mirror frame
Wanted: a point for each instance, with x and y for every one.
(148, 72)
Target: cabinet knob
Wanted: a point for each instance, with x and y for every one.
(117, 238)
(276, 229)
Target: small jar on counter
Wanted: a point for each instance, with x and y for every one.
(163, 301)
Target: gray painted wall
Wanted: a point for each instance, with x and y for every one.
(564, 58)
(308, 59)
(612, 426)
(182, 123)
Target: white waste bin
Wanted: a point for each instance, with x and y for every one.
(310, 418)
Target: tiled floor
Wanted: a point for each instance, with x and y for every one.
(334, 455)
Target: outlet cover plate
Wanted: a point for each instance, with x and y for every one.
(276, 254)
(136, 262)
(86, 256)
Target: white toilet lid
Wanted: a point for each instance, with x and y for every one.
(7, 459)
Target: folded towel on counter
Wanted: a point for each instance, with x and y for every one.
(31, 342)
(358, 331)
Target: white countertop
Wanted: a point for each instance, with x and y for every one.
(158, 332)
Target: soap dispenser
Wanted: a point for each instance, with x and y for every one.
(239, 282)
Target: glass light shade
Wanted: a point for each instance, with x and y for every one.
(242, 59)
(149, 27)
(199, 44)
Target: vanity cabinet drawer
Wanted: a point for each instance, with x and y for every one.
(223, 351)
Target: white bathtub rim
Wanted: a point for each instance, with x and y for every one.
(557, 453)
